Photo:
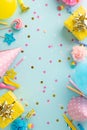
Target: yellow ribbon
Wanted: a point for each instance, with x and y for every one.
(8, 81)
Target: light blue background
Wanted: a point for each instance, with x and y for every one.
(29, 79)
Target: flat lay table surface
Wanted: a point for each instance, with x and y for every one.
(45, 70)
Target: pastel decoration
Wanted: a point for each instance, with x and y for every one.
(6, 59)
(79, 53)
(7, 8)
(9, 101)
(70, 2)
(8, 81)
(17, 24)
(19, 124)
(80, 77)
(77, 108)
(4, 86)
(77, 23)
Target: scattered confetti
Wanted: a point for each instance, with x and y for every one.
(59, 61)
(37, 103)
(61, 7)
(61, 107)
(28, 36)
(48, 123)
(57, 120)
(19, 62)
(54, 95)
(32, 67)
(41, 82)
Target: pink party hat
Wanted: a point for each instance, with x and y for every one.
(6, 59)
(77, 108)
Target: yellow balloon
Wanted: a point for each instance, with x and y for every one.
(7, 8)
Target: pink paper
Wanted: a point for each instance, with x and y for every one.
(6, 59)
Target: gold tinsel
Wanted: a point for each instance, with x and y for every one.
(80, 22)
(6, 110)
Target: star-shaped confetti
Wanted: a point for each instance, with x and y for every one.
(9, 38)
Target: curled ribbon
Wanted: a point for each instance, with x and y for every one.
(6, 110)
(80, 22)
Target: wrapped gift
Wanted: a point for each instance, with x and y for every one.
(10, 109)
(77, 23)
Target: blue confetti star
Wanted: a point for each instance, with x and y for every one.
(9, 38)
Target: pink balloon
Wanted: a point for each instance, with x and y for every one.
(77, 108)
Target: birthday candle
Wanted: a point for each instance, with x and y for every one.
(75, 90)
(70, 124)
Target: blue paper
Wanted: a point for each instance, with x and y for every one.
(80, 76)
(19, 124)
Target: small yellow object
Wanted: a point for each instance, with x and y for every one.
(17, 108)
(69, 24)
(30, 114)
(7, 8)
(11, 73)
(23, 7)
(8, 81)
(3, 23)
(30, 126)
(70, 124)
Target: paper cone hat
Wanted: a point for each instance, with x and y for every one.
(6, 59)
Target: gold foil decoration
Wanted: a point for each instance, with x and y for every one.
(30, 114)
(80, 22)
(6, 110)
